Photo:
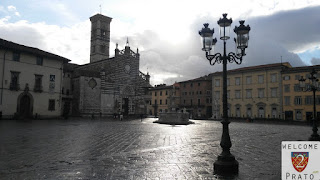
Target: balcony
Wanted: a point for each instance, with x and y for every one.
(14, 86)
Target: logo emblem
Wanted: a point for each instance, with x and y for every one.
(299, 160)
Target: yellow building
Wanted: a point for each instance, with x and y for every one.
(162, 98)
(297, 104)
(253, 92)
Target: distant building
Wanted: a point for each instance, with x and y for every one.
(253, 92)
(298, 105)
(31, 82)
(107, 86)
(163, 98)
(196, 97)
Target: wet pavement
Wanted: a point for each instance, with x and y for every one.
(131, 149)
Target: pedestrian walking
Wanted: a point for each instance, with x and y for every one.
(121, 117)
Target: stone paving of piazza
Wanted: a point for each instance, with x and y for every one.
(131, 149)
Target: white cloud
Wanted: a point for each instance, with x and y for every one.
(4, 20)
(70, 42)
(12, 8)
(166, 33)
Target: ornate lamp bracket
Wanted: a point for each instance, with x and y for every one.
(233, 57)
(216, 57)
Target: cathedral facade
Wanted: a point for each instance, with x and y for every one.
(107, 86)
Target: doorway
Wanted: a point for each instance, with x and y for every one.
(125, 106)
(25, 106)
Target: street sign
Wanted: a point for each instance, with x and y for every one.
(300, 160)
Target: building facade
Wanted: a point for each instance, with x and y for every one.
(196, 97)
(253, 92)
(163, 99)
(107, 86)
(297, 104)
(31, 82)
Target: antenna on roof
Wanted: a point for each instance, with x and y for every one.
(100, 8)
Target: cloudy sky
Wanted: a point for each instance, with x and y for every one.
(166, 31)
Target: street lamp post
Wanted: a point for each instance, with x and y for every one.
(314, 86)
(226, 164)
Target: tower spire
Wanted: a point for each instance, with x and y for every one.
(127, 44)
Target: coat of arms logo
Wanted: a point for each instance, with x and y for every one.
(299, 160)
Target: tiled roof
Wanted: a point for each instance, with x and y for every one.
(18, 47)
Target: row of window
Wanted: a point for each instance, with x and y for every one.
(296, 77)
(14, 84)
(160, 93)
(191, 84)
(156, 102)
(192, 93)
(16, 57)
(296, 87)
(248, 93)
(208, 101)
(248, 113)
(299, 100)
(237, 80)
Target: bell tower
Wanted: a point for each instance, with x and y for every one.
(100, 37)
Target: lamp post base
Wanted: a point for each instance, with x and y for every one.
(226, 165)
(314, 137)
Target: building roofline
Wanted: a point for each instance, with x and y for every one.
(100, 17)
(161, 87)
(92, 63)
(32, 50)
(203, 78)
(301, 69)
(259, 67)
